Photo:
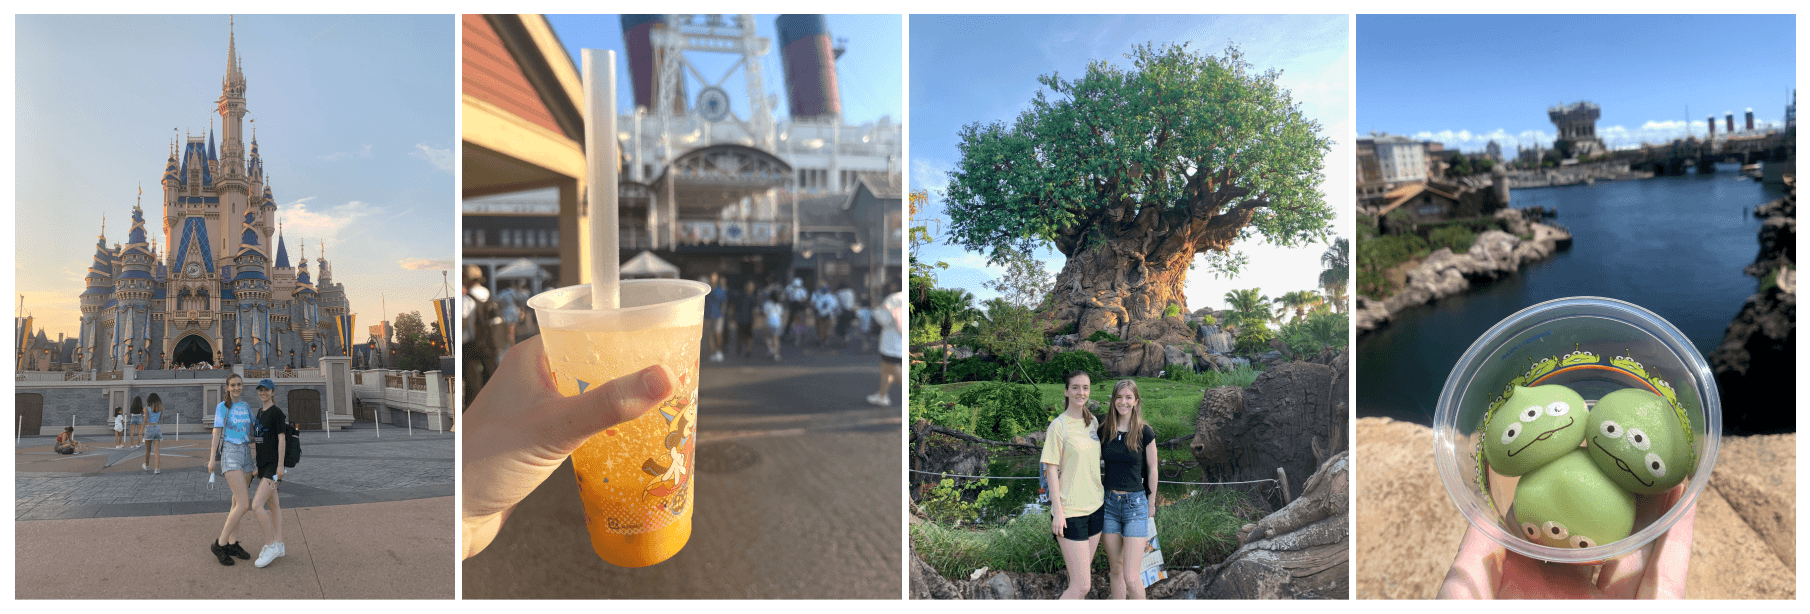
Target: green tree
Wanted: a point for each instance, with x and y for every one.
(1335, 272)
(1130, 172)
(1249, 307)
(1297, 301)
(1006, 331)
(413, 345)
(1025, 284)
(1461, 165)
(945, 309)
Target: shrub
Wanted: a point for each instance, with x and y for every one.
(1209, 320)
(1102, 335)
(1240, 377)
(1317, 331)
(1253, 340)
(1458, 238)
(972, 369)
(1374, 285)
(1064, 363)
(1067, 329)
(1003, 411)
(949, 503)
(1172, 311)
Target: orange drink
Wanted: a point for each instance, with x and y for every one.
(635, 478)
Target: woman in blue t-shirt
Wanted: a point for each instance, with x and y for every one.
(232, 449)
(153, 434)
(1128, 445)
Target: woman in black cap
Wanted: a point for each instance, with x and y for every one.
(272, 427)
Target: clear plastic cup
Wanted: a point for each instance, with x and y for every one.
(1593, 346)
(635, 478)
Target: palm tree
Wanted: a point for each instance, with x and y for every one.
(1299, 301)
(1248, 304)
(1335, 263)
(947, 308)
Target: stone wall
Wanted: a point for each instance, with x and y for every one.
(86, 403)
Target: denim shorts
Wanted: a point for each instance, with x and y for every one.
(153, 432)
(236, 457)
(1127, 514)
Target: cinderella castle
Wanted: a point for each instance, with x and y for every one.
(222, 288)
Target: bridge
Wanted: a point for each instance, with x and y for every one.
(1677, 157)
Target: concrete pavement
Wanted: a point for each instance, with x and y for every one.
(798, 496)
(391, 550)
(363, 517)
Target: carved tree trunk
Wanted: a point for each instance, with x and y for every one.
(1301, 551)
(1126, 263)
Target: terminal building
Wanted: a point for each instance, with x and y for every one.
(713, 179)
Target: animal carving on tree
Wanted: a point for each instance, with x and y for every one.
(1131, 172)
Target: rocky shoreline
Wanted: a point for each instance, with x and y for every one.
(1443, 273)
(1757, 359)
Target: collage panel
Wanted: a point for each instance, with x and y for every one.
(1128, 264)
(721, 419)
(208, 330)
(1575, 300)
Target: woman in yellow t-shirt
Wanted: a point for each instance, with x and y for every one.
(1071, 461)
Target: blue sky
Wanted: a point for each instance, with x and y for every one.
(1466, 79)
(868, 74)
(967, 69)
(354, 120)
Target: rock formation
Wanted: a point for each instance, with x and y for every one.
(1756, 364)
(1443, 273)
(1291, 417)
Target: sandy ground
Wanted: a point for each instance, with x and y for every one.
(1408, 529)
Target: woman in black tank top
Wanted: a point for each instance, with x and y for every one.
(1128, 445)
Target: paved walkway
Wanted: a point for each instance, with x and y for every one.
(354, 465)
(799, 488)
(392, 550)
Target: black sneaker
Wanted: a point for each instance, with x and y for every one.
(235, 550)
(221, 552)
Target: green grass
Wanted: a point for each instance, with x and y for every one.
(1198, 531)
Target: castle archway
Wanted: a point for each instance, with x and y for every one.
(193, 349)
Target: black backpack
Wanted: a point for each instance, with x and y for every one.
(293, 452)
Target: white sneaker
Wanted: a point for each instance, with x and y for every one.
(145, 466)
(266, 554)
(282, 550)
(718, 357)
(873, 399)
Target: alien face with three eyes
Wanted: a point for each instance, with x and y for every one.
(1636, 439)
(1535, 426)
(1570, 503)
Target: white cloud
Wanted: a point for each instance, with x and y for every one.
(440, 158)
(315, 223)
(927, 174)
(426, 264)
(364, 152)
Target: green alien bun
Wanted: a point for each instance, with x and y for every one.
(1569, 503)
(1635, 439)
(1535, 426)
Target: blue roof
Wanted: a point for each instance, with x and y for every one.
(251, 275)
(212, 154)
(135, 274)
(111, 303)
(207, 176)
(282, 253)
(197, 229)
(160, 294)
(97, 290)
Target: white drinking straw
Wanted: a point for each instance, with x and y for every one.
(601, 161)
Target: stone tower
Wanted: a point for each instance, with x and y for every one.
(1577, 129)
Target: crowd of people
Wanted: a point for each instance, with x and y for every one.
(773, 315)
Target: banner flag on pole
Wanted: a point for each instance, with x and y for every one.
(25, 341)
(345, 331)
(443, 308)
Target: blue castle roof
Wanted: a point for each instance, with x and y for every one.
(282, 253)
(195, 229)
(207, 176)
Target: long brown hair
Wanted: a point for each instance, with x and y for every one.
(1087, 416)
(1134, 428)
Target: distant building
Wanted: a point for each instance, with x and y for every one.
(1370, 182)
(1493, 152)
(1577, 129)
(1401, 159)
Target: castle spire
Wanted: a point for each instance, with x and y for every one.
(233, 75)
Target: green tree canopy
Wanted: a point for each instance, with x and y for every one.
(1130, 172)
